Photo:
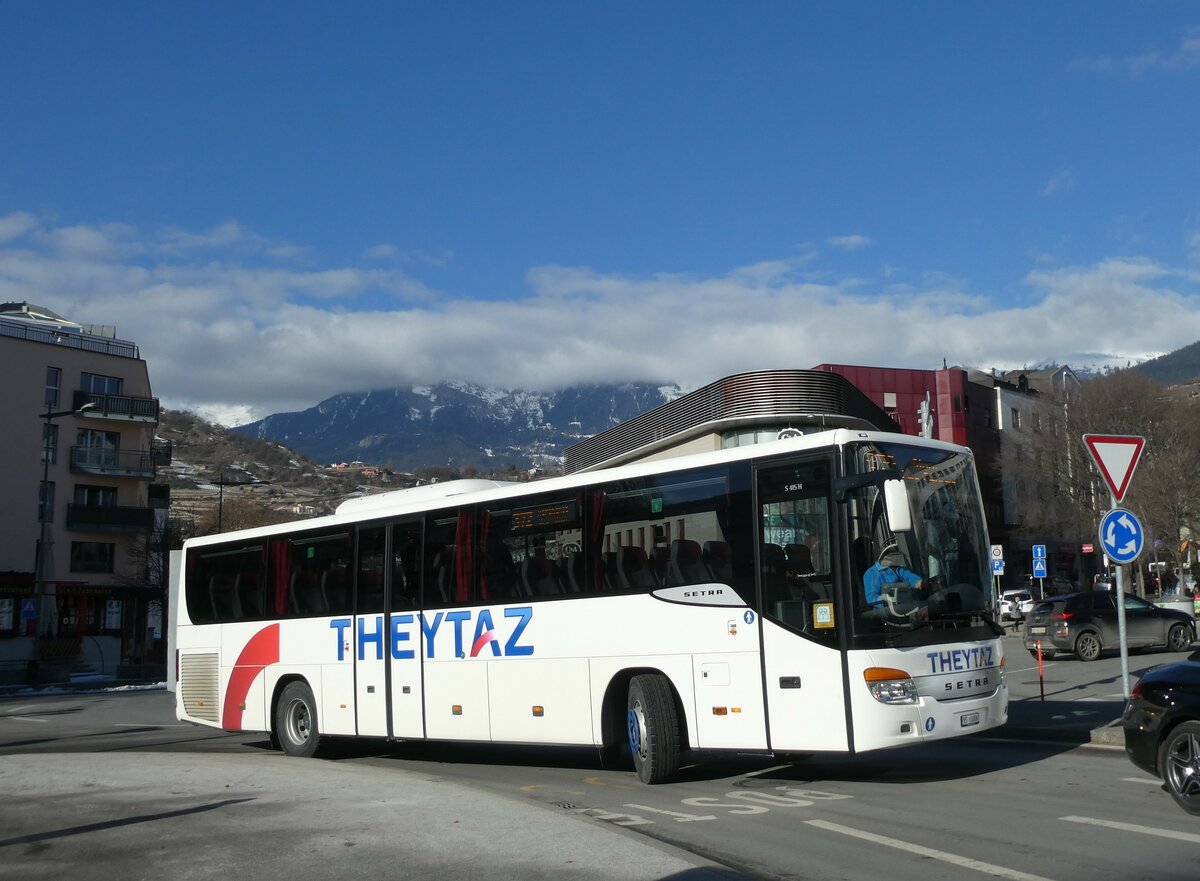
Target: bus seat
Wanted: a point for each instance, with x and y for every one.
(632, 568)
(686, 562)
(774, 562)
(716, 559)
(571, 572)
(499, 572)
(250, 596)
(223, 591)
(540, 576)
(307, 598)
(612, 580)
(441, 576)
(799, 559)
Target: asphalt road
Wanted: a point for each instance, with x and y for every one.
(111, 786)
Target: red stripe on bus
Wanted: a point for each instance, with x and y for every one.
(261, 651)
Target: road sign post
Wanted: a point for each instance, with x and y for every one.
(1121, 534)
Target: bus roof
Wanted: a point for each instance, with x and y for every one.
(425, 498)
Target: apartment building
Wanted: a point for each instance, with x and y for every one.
(80, 525)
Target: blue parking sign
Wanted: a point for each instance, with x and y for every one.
(997, 567)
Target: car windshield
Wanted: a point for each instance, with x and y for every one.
(936, 575)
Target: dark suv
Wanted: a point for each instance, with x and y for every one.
(1086, 624)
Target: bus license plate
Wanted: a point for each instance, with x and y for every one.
(1037, 629)
(966, 720)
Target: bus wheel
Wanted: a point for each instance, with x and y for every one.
(296, 721)
(653, 728)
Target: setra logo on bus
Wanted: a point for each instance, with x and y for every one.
(370, 636)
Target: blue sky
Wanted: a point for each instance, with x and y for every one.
(282, 201)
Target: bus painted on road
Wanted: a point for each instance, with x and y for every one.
(659, 611)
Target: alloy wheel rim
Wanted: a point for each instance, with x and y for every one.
(1183, 768)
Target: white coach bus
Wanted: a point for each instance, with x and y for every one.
(662, 609)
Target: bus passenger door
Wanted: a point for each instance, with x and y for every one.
(404, 594)
(798, 573)
(387, 635)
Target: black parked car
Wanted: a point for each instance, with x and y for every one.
(1162, 728)
(1086, 624)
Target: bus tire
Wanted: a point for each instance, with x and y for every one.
(653, 727)
(296, 726)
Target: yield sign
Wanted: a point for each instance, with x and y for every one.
(1116, 456)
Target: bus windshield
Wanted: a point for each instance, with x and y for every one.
(934, 576)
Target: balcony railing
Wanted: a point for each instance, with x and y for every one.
(109, 518)
(116, 463)
(121, 407)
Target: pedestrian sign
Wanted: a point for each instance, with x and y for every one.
(28, 610)
(1039, 568)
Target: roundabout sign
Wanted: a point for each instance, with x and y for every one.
(1122, 536)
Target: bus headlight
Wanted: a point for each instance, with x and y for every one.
(890, 686)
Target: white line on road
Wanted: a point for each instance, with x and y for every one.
(954, 859)
(1153, 781)
(1133, 827)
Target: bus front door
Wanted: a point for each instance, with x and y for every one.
(798, 570)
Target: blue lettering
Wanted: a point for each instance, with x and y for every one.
(458, 618)
(365, 638)
(399, 636)
(525, 613)
(430, 630)
(340, 625)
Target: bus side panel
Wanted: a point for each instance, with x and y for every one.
(309, 648)
(456, 699)
(804, 693)
(519, 687)
(729, 701)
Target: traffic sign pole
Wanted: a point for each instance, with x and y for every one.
(1116, 456)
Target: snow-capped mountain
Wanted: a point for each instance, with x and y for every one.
(457, 424)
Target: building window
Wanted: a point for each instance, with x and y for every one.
(92, 556)
(50, 443)
(53, 386)
(95, 496)
(1016, 418)
(98, 384)
(46, 502)
(97, 448)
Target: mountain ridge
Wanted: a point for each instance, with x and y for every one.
(457, 424)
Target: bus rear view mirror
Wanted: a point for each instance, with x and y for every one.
(895, 498)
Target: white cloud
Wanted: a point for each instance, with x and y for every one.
(848, 243)
(1059, 181)
(15, 225)
(238, 340)
(380, 252)
(1184, 56)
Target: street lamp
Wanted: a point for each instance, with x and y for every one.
(45, 510)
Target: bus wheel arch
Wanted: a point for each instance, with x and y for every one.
(615, 750)
(295, 722)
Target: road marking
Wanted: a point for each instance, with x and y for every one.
(1133, 827)
(954, 859)
(1153, 781)
(27, 719)
(679, 816)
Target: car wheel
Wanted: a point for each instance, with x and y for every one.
(1087, 647)
(1179, 763)
(1179, 638)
